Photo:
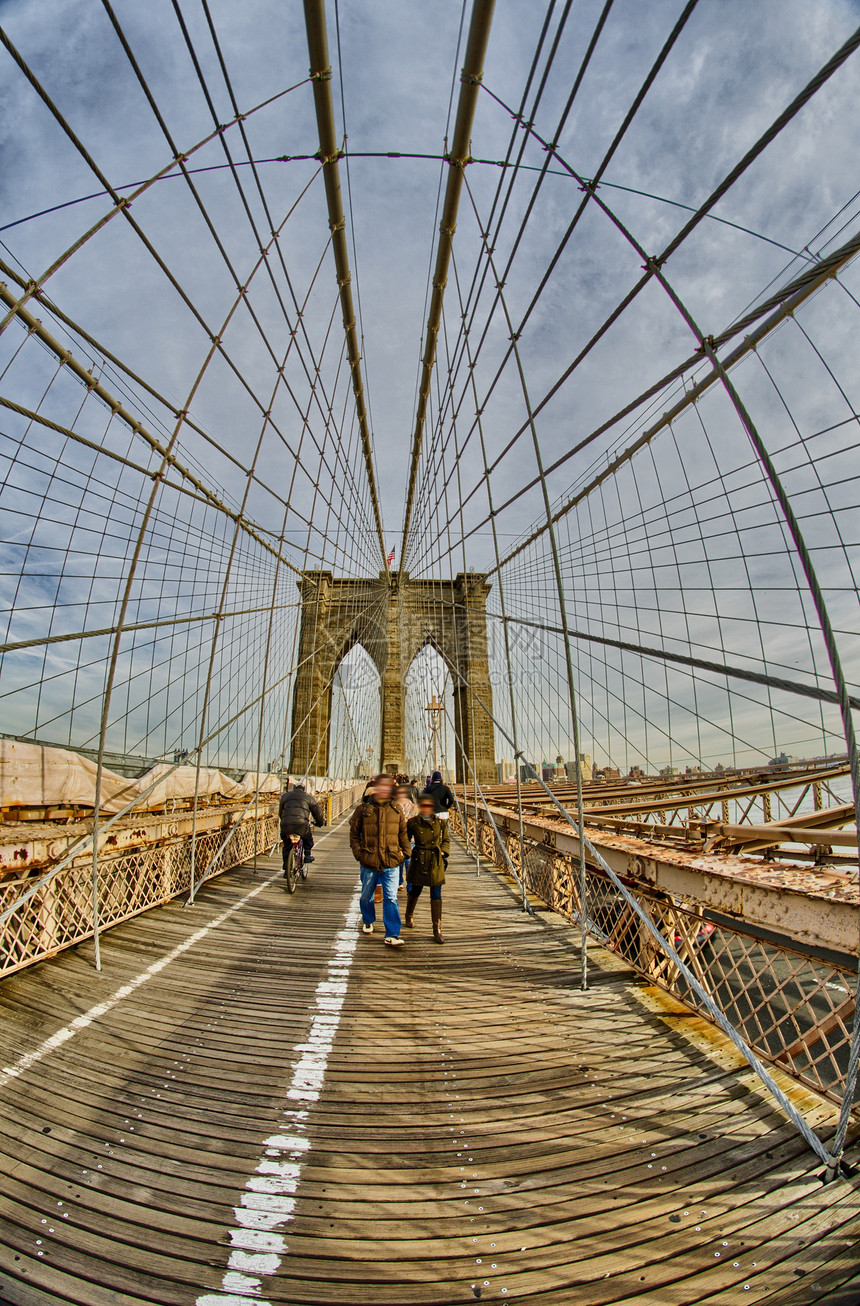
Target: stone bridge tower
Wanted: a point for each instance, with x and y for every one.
(393, 619)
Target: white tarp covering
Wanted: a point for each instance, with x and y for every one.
(263, 782)
(34, 776)
(178, 785)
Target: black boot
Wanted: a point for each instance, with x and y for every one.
(436, 917)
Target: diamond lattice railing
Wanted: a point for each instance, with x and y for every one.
(794, 1009)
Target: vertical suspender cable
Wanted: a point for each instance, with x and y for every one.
(328, 156)
(458, 158)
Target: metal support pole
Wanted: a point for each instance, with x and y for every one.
(704, 997)
(701, 993)
(562, 604)
(478, 790)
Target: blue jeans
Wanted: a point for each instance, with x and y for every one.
(414, 891)
(389, 879)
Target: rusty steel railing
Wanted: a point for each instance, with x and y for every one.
(132, 880)
(793, 1005)
(60, 914)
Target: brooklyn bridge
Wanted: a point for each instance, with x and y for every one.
(394, 389)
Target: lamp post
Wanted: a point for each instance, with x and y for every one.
(434, 710)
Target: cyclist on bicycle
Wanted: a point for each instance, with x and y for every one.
(296, 809)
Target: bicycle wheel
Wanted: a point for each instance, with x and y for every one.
(303, 866)
(290, 870)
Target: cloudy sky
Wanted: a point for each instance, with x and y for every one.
(731, 70)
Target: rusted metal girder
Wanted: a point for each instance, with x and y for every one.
(811, 906)
(458, 158)
(30, 846)
(329, 153)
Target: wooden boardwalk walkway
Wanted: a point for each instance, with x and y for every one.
(253, 1102)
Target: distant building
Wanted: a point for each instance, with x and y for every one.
(585, 766)
(506, 770)
(528, 771)
(669, 772)
(782, 761)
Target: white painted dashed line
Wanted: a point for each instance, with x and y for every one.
(268, 1201)
(23, 1064)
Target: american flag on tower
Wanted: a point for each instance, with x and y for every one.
(389, 559)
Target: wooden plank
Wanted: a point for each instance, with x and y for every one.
(588, 1123)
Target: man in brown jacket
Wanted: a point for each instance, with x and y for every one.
(380, 845)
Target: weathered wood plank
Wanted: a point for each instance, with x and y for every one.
(482, 1127)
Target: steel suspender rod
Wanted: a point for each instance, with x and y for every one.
(329, 155)
(458, 158)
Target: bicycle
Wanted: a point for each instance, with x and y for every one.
(294, 862)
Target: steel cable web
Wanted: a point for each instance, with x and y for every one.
(188, 564)
(695, 587)
(637, 428)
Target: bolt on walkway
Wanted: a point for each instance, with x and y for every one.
(254, 1102)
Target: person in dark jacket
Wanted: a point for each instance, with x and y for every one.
(380, 845)
(431, 844)
(442, 797)
(296, 809)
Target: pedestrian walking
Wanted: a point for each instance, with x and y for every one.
(380, 845)
(443, 799)
(403, 802)
(431, 844)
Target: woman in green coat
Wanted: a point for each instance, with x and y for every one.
(428, 860)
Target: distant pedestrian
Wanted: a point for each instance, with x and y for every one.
(443, 799)
(431, 844)
(404, 803)
(380, 845)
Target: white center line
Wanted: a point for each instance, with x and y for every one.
(268, 1201)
